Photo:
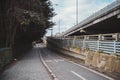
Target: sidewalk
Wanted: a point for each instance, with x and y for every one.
(28, 68)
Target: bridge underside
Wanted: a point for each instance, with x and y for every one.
(110, 25)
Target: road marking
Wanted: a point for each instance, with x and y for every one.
(47, 67)
(78, 75)
(56, 60)
(48, 60)
(103, 75)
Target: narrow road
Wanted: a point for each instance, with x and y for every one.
(31, 68)
(66, 70)
(28, 68)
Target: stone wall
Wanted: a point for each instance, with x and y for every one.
(107, 62)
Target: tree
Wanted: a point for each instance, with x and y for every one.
(23, 21)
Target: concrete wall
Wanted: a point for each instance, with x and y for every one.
(103, 61)
(106, 62)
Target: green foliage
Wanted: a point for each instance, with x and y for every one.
(75, 47)
(5, 57)
(100, 51)
(23, 21)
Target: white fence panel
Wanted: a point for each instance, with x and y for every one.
(104, 46)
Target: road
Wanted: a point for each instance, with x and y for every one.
(66, 70)
(31, 68)
(28, 68)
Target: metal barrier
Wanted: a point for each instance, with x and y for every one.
(96, 45)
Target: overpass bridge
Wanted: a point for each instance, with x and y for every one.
(99, 51)
(107, 20)
(96, 40)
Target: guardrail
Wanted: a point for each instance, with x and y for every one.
(112, 47)
(103, 46)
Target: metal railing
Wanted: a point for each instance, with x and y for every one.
(104, 46)
(112, 47)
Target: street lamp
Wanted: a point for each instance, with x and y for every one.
(77, 12)
(53, 20)
(59, 26)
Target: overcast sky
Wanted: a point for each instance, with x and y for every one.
(66, 12)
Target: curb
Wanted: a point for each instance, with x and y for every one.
(48, 69)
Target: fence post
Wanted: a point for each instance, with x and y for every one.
(83, 44)
(114, 46)
(74, 41)
(98, 44)
(67, 41)
(100, 37)
(117, 37)
(85, 38)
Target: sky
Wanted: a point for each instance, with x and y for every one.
(66, 12)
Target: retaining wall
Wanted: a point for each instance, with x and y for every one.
(107, 62)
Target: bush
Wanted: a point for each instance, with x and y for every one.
(5, 56)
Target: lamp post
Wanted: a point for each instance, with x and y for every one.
(77, 12)
(59, 26)
(53, 20)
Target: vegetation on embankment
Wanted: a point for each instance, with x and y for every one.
(5, 57)
(22, 22)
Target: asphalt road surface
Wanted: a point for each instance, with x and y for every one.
(66, 70)
(28, 68)
(31, 68)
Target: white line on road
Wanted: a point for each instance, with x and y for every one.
(47, 67)
(78, 75)
(56, 60)
(105, 76)
(48, 60)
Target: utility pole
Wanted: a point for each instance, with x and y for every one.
(53, 21)
(77, 12)
(59, 26)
